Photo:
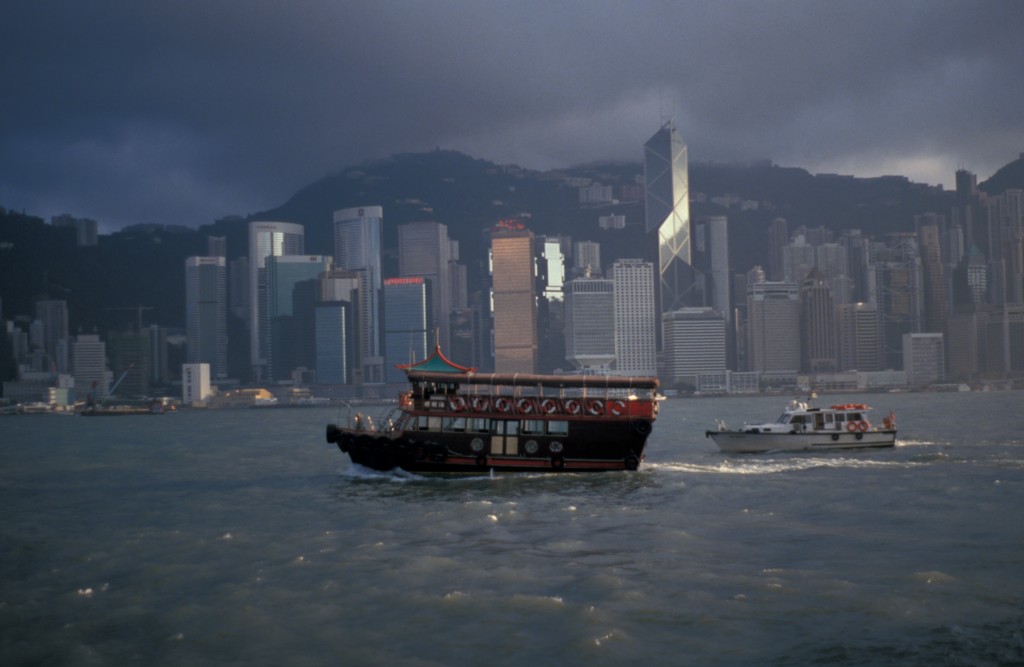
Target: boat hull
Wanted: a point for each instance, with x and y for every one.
(593, 447)
(751, 442)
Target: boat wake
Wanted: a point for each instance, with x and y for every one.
(770, 466)
(356, 471)
(359, 472)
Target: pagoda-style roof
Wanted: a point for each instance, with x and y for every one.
(436, 363)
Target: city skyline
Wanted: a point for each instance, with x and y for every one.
(121, 122)
(722, 327)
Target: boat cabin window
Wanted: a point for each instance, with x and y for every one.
(501, 427)
(533, 427)
(800, 419)
(427, 423)
(456, 424)
(476, 425)
(558, 428)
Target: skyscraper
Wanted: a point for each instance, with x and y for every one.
(515, 303)
(206, 313)
(936, 303)
(89, 366)
(266, 239)
(424, 250)
(820, 342)
(773, 330)
(357, 247)
(859, 346)
(778, 237)
(337, 334)
(587, 258)
(924, 358)
(898, 282)
(635, 317)
(695, 343)
(711, 257)
(292, 330)
(667, 214)
(53, 314)
(590, 323)
(551, 266)
(408, 324)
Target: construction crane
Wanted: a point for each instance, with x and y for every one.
(138, 310)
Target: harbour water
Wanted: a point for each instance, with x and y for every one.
(243, 538)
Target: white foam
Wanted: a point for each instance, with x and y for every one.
(768, 466)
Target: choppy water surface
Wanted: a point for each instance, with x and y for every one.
(241, 537)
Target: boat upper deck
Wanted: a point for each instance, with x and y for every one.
(531, 394)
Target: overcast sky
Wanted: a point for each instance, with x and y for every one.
(181, 112)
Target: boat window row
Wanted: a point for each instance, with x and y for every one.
(821, 420)
(484, 425)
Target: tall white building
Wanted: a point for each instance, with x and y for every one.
(195, 383)
(206, 313)
(266, 239)
(635, 317)
(590, 323)
(695, 343)
(357, 247)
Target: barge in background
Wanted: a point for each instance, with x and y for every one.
(456, 420)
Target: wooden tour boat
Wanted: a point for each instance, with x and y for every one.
(456, 420)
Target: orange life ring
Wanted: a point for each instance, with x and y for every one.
(851, 427)
(862, 426)
(481, 403)
(456, 403)
(502, 404)
(572, 406)
(595, 406)
(525, 406)
(617, 407)
(549, 406)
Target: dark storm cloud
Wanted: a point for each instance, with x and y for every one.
(179, 112)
